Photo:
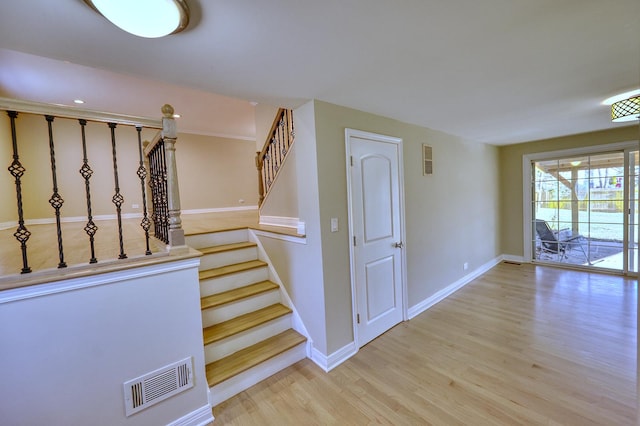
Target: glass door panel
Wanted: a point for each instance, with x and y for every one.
(579, 211)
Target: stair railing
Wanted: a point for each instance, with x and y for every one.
(276, 148)
(166, 218)
(163, 181)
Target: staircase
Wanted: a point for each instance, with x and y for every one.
(248, 334)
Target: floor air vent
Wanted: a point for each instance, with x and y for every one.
(144, 391)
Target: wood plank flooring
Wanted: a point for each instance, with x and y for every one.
(43, 253)
(519, 345)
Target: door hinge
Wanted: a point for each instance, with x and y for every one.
(358, 318)
(351, 156)
(354, 240)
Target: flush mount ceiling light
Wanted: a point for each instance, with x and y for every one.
(626, 110)
(144, 18)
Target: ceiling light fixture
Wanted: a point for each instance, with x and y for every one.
(626, 110)
(78, 101)
(144, 18)
(621, 96)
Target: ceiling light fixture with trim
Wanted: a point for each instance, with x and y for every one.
(144, 18)
(626, 110)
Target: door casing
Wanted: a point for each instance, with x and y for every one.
(349, 133)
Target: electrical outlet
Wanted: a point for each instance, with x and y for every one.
(465, 266)
(334, 224)
(241, 201)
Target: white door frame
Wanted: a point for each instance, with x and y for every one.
(348, 133)
(527, 191)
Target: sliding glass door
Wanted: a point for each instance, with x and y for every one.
(585, 210)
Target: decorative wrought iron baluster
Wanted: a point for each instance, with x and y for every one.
(159, 200)
(56, 200)
(164, 198)
(85, 171)
(291, 133)
(117, 199)
(155, 193)
(16, 169)
(142, 174)
(157, 206)
(285, 132)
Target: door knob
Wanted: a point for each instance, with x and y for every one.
(398, 245)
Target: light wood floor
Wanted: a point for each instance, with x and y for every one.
(521, 345)
(42, 248)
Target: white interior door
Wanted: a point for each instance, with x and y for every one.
(376, 231)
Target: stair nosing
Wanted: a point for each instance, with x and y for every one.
(231, 269)
(293, 339)
(222, 248)
(262, 285)
(279, 311)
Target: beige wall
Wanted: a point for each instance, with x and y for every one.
(282, 199)
(8, 205)
(300, 265)
(511, 202)
(264, 119)
(451, 216)
(37, 182)
(215, 172)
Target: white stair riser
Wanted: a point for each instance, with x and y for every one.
(217, 350)
(225, 312)
(216, 260)
(236, 384)
(217, 238)
(233, 281)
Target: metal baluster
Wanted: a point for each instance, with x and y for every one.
(142, 174)
(16, 169)
(291, 132)
(117, 199)
(285, 132)
(152, 186)
(158, 197)
(56, 200)
(85, 171)
(164, 193)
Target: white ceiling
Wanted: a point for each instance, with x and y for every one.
(494, 71)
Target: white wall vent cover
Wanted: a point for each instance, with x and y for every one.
(427, 160)
(146, 390)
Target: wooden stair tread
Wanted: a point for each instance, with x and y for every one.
(231, 269)
(236, 363)
(229, 296)
(244, 322)
(227, 247)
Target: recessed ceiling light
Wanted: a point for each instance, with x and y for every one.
(613, 99)
(144, 18)
(78, 101)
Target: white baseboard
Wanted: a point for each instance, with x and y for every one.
(283, 237)
(219, 210)
(452, 288)
(200, 417)
(512, 258)
(328, 363)
(236, 384)
(69, 219)
(287, 222)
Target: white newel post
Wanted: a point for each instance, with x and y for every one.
(170, 135)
